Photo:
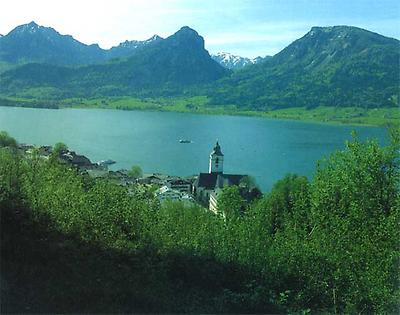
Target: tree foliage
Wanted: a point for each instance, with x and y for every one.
(135, 171)
(325, 245)
(59, 148)
(6, 140)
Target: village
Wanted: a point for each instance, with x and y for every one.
(202, 189)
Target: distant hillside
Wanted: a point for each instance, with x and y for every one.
(332, 66)
(176, 62)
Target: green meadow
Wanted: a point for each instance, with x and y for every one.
(200, 105)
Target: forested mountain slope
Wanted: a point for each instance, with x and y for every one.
(176, 62)
(331, 66)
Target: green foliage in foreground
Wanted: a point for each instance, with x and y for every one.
(6, 140)
(326, 245)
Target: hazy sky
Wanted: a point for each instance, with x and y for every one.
(244, 27)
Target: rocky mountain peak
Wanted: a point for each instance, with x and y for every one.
(31, 28)
(187, 36)
(154, 38)
(187, 30)
(33, 24)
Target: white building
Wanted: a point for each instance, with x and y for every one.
(166, 193)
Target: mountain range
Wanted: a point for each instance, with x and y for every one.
(31, 42)
(153, 65)
(333, 66)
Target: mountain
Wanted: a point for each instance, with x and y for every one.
(171, 64)
(332, 66)
(177, 61)
(34, 43)
(128, 48)
(234, 62)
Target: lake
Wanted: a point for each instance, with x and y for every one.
(266, 149)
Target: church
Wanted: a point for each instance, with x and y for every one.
(208, 185)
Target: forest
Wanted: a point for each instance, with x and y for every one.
(330, 244)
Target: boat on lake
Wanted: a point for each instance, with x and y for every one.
(185, 141)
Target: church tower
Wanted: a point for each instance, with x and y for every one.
(216, 160)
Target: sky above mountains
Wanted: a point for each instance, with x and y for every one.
(248, 28)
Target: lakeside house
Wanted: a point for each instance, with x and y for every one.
(167, 193)
(180, 184)
(153, 179)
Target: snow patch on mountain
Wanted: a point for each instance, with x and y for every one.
(132, 45)
(234, 62)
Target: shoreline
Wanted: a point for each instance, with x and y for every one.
(319, 115)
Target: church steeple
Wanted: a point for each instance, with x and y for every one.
(216, 160)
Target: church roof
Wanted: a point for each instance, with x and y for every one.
(210, 180)
(217, 150)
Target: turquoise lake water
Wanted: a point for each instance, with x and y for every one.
(266, 149)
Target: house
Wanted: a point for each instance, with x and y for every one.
(208, 185)
(166, 193)
(179, 184)
(45, 151)
(154, 179)
(26, 148)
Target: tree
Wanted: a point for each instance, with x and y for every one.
(230, 202)
(355, 204)
(6, 140)
(248, 182)
(135, 171)
(59, 148)
(286, 205)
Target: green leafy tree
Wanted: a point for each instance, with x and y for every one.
(355, 204)
(345, 257)
(230, 202)
(6, 140)
(59, 148)
(248, 182)
(329, 245)
(287, 203)
(135, 171)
